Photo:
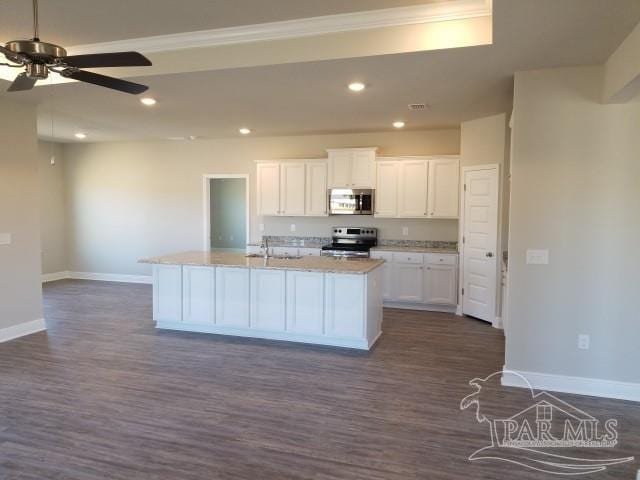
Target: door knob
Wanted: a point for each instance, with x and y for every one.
(489, 254)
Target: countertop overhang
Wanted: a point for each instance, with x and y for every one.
(240, 260)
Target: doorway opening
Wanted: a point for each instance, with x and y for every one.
(226, 212)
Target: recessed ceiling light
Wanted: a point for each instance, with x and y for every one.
(398, 124)
(148, 101)
(81, 136)
(244, 131)
(357, 86)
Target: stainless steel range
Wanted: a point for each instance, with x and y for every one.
(351, 242)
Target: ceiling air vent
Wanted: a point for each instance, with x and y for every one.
(417, 106)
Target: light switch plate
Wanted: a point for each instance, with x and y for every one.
(293, 227)
(537, 257)
(584, 341)
(5, 239)
(405, 231)
(261, 227)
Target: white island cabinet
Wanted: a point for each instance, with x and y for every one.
(319, 300)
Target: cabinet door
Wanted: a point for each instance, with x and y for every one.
(408, 281)
(198, 295)
(412, 189)
(340, 169)
(167, 293)
(232, 297)
(316, 190)
(268, 289)
(305, 302)
(344, 305)
(440, 284)
(363, 169)
(285, 251)
(292, 180)
(444, 186)
(387, 273)
(386, 201)
(268, 189)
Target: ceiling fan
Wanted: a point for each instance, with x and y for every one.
(39, 58)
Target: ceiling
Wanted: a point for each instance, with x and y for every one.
(311, 97)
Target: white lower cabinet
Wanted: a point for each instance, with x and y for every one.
(408, 281)
(419, 280)
(167, 293)
(198, 299)
(344, 305)
(305, 302)
(440, 284)
(232, 297)
(268, 295)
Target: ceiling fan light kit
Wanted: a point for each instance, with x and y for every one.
(39, 58)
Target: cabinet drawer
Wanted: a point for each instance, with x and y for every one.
(309, 252)
(289, 251)
(440, 259)
(386, 256)
(408, 257)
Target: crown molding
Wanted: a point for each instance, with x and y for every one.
(304, 27)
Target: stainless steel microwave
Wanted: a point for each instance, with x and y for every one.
(347, 201)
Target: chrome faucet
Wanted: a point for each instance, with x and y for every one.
(265, 246)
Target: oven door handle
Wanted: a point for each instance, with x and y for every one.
(358, 203)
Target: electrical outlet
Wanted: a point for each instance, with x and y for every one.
(231, 238)
(584, 342)
(537, 257)
(293, 227)
(405, 231)
(5, 239)
(261, 227)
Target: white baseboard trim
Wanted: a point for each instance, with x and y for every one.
(53, 277)
(22, 329)
(594, 387)
(102, 277)
(497, 323)
(111, 277)
(459, 310)
(420, 306)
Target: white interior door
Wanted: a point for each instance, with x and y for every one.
(480, 241)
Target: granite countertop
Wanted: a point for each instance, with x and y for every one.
(399, 248)
(239, 260)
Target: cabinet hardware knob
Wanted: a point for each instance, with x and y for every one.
(489, 254)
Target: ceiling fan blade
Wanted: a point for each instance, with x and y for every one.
(99, 60)
(22, 83)
(13, 56)
(108, 82)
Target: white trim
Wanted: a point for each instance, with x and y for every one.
(497, 323)
(299, 28)
(360, 344)
(420, 306)
(53, 277)
(111, 277)
(22, 329)
(206, 205)
(594, 387)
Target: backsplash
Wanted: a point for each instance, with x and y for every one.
(297, 241)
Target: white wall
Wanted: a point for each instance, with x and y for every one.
(575, 191)
(20, 287)
(53, 222)
(132, 200)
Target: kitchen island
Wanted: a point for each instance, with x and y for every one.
(319, 300)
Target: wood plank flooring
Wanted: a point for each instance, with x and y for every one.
(103, 395)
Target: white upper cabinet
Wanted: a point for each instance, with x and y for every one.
(292, 188)
(386, 200)
(316, 190)
(444, 185)
(292, 191)
(268, 189)
(352, 168)
(412, 190)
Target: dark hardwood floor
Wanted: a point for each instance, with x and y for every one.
(103, 395)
